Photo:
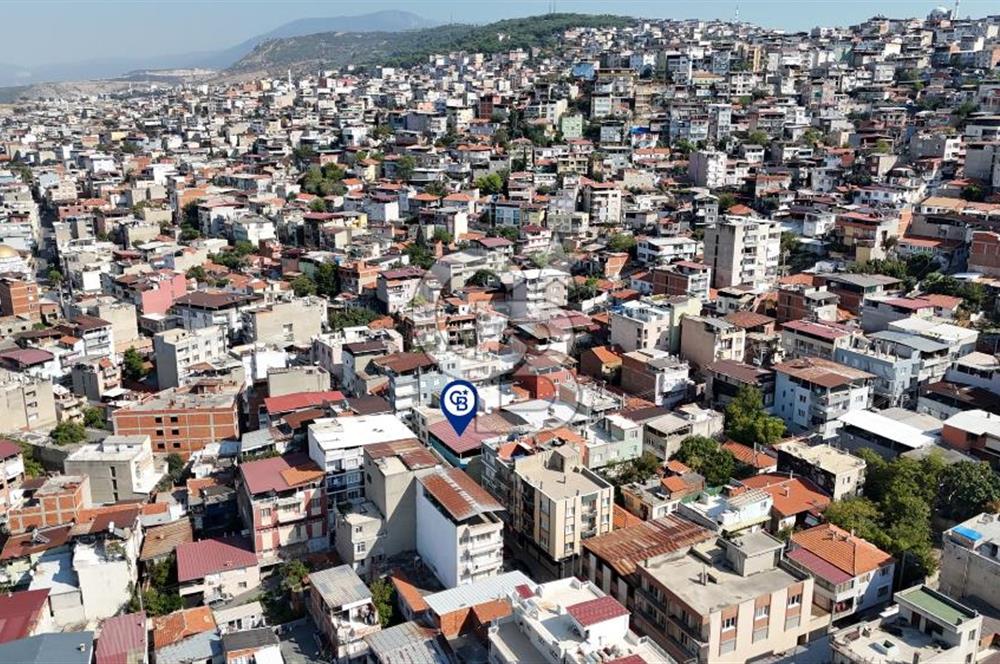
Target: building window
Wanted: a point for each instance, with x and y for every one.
(727, 646)
(762, 611)
(795, 600)
(360, 548)
(791, 622)
(728, 624)
(759, 634)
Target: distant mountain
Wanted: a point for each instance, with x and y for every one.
(338, 49)
(382, 21)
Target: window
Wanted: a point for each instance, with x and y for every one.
(884, 571)
(175, 432)
(728, 624)
(762, 611)
(727, 646)
(795, 600)
(265, 512)
(883, 591)
(759, 634)
(791, 622)
(360, 548)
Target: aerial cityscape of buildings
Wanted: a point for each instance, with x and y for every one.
(729, 298)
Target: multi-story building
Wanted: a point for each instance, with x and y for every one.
(337, 445)
(26, 403)
(654, 251)
(282, 501)
(729, 600)
(705, 340)
(285, 324)
(120, 468)
(96, 333)
(657, 376)
(839, 473)
(18, 297)
(743, 251)
(536, 294)
(459, 536)
(342, 609)
(58, 500)
(95, 378)
(803, 338)
(707, 168)
(568, 621)
(214, 570)
(662, 435)
(178, 350)
(852, 575)
(11, 471)
(970, 559)
(683, 278)
(924, 626)
(806, 302)
(183, 420)
(811, 393)
(652, 323)
(396, 288)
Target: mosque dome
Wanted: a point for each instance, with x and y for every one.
(6, 251)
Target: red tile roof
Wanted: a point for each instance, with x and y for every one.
(595, 611)
(459, 494)
(179, 625)
(298, 400)
(850, 553)
(279, 473)
(122, 639)
(196, 560)
(791, 496)
(819, 567)
(482, 428)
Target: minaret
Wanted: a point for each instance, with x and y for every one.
(954, 12)
(736, 18)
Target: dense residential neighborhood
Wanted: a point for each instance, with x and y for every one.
(728, 298)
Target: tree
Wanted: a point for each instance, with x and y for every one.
(973, 192)
(93, 418)
(442, 236)
(967, 487)
(327, 280)
(303, 286)
(56, 277)
(420, 255)
(621, 242)
(747, 422)
(382, 597)
(436, 188)
(705, 455)
(490, 184)
(585, 291)
(638, 469)
(293, 573)
(68, 433)
(133, 366)
(726, 201)
(197, 273)
(758, 137)
(317, 205)
(858, 515)
(352, 317)
(483, 278)
(507, 233)
(405, 166)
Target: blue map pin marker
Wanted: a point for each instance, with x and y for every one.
(458, 403)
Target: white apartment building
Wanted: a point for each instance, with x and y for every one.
(811, 393)
(537, 293)
(178, 350)
(743, 251)
(120, 468)
(662, 250)
(337, 444)
(652, 324)
(707, 168)
(459, 536)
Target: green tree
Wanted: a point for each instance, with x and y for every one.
(490, 184)
(726, 201)
(93, 418)
(56, 277)
(68, 433)
(585, 291)
(483, 278)
(638, 469)
(327, 280)
(293, 573)
(31, 466)
(317, 205)
(859, 515)
(382, 597)
(747, 422)
(507, 233)
(436, 188)
(405, 166)
(442, 236)
(197, 273)
(133, 366)
(622, 242)
(303, 285)
(353, 317)
(705, 455)
(967, 488)
(758, 137)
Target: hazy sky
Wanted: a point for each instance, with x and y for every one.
(48, 31)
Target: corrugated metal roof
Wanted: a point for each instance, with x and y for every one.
(472, 594)
(407, 643)
(459, 494)
(339, 586)
(122, 639)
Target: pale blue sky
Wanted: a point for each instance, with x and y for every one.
(47, 31)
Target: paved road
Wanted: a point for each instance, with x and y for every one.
(298, 646)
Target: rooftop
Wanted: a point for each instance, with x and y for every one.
(459, 494)
(847, 552)
(478, 592)
(340, 586)
(626, 547)
(332, 433)
(196, 560)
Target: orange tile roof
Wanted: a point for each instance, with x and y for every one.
(409, 593)
(606, 355)
(847, 552)
(751, 457)
(791, 496)
(179, 625)
(622, 518)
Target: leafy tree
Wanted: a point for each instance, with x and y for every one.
(56, 277)
(747, 422)
(317, 205)
(966, 489)
(133, 366)
(483, 278)
(758, 137)
(490, 184)
(973, 192)
(859, 515)
(197, 273)
(405, 166)
(726, 201)
(156, 602)
(442, 236)
(68, 433)
(706, 456)
(622, 242)
(352, 317)
(327, 280)
(93, 418)
(436, 188)
(420, 255)
(293, 573)
(973, 294)
(639, 469)
(965, 109)
(325, 181)
(303, 285)
(585, 291)
(507, 233)
(888, 266)
(382, 597)
(32, 468)
(539, 260)
(684, 147)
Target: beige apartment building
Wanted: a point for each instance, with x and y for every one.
(705, 340)
(26, 403)
(292, 323)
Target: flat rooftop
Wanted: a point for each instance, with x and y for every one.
(558, 485)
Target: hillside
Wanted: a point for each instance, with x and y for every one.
(338, 49)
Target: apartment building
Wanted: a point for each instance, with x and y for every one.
(970, 559)
(286, 324)
(395, 289)
(851, 574)
(662, 435)
(556, 503)
(11, 471)
(806, 302)
(683, 278)
(96, 378)
(652, 324)
(728, 510)
(705, 340)
(924, 626)
(567, 621)
(18, 297)
(653, 251)
(216, 570)
(707, 168)
(537, 294)
(724, 601)
(26, 403)
(282, 502)
(120, 468)
(810, 393)
(802, 338)
(836, 471)
(337, 445)
(178, 350)
(96, 333)
(459, 536)
(183, 420)
(342, 609)
(743, 252)
(58, 500)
